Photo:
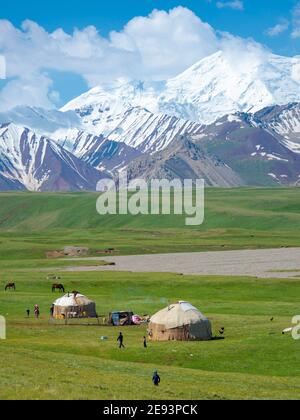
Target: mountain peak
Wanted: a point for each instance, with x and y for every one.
(217, 85)
(36, 163)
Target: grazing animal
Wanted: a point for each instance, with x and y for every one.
(272, 319)
(10, 286)
(59, 287)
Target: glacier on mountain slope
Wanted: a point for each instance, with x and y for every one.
(135, 126)
(113, 124)
(209, 89)
(101, 153)
(42, 121)
(149, 115)
(37, 163)
(285, 120)
(18, 160)
(217, 86)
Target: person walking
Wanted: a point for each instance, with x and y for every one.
(121, 341)
(145, 343)
(37, 311)
(156, 378)
(28, 313)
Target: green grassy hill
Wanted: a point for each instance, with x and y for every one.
(225, 208)
(31, 224)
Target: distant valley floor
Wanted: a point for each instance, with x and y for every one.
(266, 263)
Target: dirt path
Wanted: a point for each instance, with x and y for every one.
(270, 263)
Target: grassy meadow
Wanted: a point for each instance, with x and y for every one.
(41, 360)
(32, 224)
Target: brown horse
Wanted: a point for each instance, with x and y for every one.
(10, 286)
(59, 287)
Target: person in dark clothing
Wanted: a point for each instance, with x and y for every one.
(145, 343)
(52, 311)
(156, 378)
(36, 311)
(121, 341)
(28, 313)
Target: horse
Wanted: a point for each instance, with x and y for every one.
(10, 286)
(59, 287)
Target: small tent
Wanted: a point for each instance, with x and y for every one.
(74, 305)
(121, 318)
(181, 322)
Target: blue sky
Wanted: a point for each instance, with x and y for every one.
(257, 16)
(272, 23)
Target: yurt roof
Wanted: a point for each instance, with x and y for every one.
(178, 315)
(73, 300)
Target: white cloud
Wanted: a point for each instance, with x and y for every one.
(235, 5)
(30, 51)
(155, 47)
(2, 67)
(34, 90)
(278, 29)
(296, 21)
(245, 55)
(167, 43)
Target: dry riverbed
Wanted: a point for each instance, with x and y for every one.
(265, 263)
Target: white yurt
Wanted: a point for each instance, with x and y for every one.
(180, 322)
(74, 305)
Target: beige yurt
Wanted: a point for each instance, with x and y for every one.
(74, 305)
(181, 322)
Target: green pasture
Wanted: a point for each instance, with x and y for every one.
(41, 360)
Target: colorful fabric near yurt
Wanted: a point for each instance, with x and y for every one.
(137, 320)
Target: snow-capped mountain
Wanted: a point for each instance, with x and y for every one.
(102, 154)
(255, 152)
(67, 130)
(285, 121)
(219, 85)
(245, 117)
(213, 87)
(135, 126)
(42, 121)
(149, 115)
(32, 162)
